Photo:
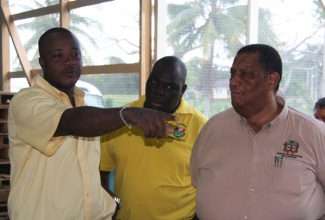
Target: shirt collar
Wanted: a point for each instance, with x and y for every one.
(281, 117)
(47, 87)
(283, 114)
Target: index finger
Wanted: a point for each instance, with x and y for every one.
(167, 129)
(169, 117)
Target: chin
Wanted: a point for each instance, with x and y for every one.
(150, 107)
(240, 111)
(234, 104)
(157, 108)
(237, 106)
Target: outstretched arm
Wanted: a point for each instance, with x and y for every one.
(89, 121)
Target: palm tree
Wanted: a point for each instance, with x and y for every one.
(38, 25)
(214, 27)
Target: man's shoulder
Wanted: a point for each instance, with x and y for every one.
(299, 115)
(139, 103)
(229, 113)
(29, 92)
(225, 118)
(191, 111)
(189, 108)
(307, 120)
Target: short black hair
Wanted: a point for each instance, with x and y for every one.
(320, 103)
(270, 59)
(170, 62)
(42, 39)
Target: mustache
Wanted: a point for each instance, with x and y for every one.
(156, 100)
(69, 69)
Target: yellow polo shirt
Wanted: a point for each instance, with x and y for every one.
(52, 178)
(152, 177)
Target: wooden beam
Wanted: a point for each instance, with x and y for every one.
(37, 12)
(103, 69)
(160, 18)
(64, 14)
(15, 39)
(83, 3)
(5, 51)
(145, 44)
(21, 74)
(55, 8)
(113, 68)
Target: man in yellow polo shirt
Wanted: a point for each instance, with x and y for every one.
(152, 177)
(54, 139)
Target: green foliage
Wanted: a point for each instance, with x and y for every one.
(202, 25)
(265, 30)
(38, 25)
(218, 29)
(319, 11)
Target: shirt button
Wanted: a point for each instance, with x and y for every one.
(245, 217)
(251, 189)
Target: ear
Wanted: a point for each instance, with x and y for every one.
(184, 87)
(41, 62)
(273, 80)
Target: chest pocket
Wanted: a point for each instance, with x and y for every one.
(287, 179)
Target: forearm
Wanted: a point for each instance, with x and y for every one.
(89, 121)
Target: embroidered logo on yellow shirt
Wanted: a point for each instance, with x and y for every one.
(179, 131)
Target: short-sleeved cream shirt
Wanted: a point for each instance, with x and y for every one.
(52, 178)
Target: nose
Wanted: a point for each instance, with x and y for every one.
(69, 61)
(159, 90)
(234, 80)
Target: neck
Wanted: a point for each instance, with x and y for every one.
(72, 101)
(265, 114)
(70, 94)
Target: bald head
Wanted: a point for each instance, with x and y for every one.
(171, 64)
(43, 40)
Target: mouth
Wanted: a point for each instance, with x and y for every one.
(70, 72)
(156, 104)
(236, 92)
(236, 95)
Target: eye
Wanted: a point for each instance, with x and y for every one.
(76, 54)
(170, 87)
(155, 82)
(57, 56)
(245, 75)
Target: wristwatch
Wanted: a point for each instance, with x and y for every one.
(117, 201)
